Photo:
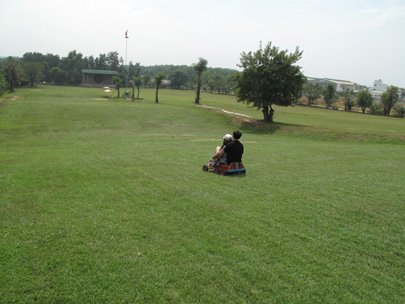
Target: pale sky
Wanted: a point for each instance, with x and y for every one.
(359, 40)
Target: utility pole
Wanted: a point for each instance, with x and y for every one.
(126, 64)
(126, 46)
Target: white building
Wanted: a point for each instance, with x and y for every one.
(340, 85)
(379, 86)
(343, 85)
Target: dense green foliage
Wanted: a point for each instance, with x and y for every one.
(104, 201)
(36, 67)
(270, 77)
(388, 99)
(11, 73)
(364, 100)
(348, 96)
(329, 94)
(312, 91)
(399, 110)
(3, 84)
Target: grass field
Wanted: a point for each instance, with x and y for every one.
(104, 201)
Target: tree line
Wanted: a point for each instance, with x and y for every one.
(269, 76)
(386, 105)
(34, 67)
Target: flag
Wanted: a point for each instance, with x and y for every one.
(126, 34)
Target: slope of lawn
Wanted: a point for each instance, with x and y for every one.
(104, 201)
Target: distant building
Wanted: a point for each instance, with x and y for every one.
(340, 85)
(97, 78)
(379, 86)
(343, 85)
(164, 84)
(321, 81)
(378, 89)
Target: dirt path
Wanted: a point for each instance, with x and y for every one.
(246, 117)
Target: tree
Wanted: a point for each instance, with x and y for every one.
(89, 62)
(3, 83)
(199, 67)
(270, 77)
(33, 71)
(134, 69)
(220, 83)
(101, 62)
(33, 57)
(159, 78)
(364, 100)
(72, 66)
(51, 60)
(136, 82)
(312, 91)
(113, 61)
(146, 81)
(231, 82)
(329, 95)
(388, 99)
(57, 76)
(132, 84)
(348, 99)
(399, 111)
(178, 79)
(10, 72)
(118, 84)
(211, 85)
(376, 108)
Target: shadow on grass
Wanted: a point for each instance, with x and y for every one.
(325, 134)
(263, 127)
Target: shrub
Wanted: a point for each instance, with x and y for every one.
(399, 111)
(376, 108)
(3, 84)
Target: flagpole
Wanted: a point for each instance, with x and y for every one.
(126, 60)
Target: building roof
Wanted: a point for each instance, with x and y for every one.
(103, 72)
(337, 81)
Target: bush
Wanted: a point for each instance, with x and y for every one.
(3, 84)
(399, 111)
(376, 108)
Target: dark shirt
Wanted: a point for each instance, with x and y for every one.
(234, 151)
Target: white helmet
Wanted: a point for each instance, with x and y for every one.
(228, 137)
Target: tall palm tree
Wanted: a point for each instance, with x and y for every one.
(200, 67)
(136, 81)
(158, 80)
(118, 83)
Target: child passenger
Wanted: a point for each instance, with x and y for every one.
(219, 157)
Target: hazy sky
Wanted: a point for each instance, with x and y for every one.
(359, 40)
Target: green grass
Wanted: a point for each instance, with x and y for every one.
(104, 201)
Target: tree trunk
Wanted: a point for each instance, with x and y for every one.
(10, 81)
(197, 97)
(137, 95)
(268, 113)
(363, 109)
(157, 95)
